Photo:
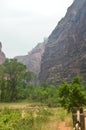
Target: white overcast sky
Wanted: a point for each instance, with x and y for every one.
(24, 23)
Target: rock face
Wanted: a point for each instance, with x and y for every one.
(65, 52)
(33, 59)
(2, 55)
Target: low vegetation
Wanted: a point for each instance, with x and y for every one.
(41, 118)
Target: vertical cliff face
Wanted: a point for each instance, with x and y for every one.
(65, 52)
(2, 55)
(33, 59)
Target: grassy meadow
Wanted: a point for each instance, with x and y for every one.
(24, 116)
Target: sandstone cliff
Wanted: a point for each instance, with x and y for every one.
(33, 59)
(2, 55)
(65, 52)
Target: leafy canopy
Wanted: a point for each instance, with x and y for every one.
(72, 94)
(12, 75)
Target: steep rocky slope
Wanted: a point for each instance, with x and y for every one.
(65, 52)
(2, 55)
(33, 59)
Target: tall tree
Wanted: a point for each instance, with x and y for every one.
(13, 73)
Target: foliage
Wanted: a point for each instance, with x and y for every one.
(15, 84)
(11, 119)
(13, 77)
(72, 94)
(47, 94)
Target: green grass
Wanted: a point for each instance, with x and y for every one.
(24, 116)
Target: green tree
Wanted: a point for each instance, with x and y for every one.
(29, 77)
(72, 94)
(13, 74)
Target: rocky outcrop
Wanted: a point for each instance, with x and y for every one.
(33, 59)
(65, 52)
(2, 55)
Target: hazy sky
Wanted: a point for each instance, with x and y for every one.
(24, 23)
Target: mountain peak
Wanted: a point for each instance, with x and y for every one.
(65, 52)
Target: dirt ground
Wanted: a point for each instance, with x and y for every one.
(63, 125)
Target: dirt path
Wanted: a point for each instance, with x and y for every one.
(63, 126)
